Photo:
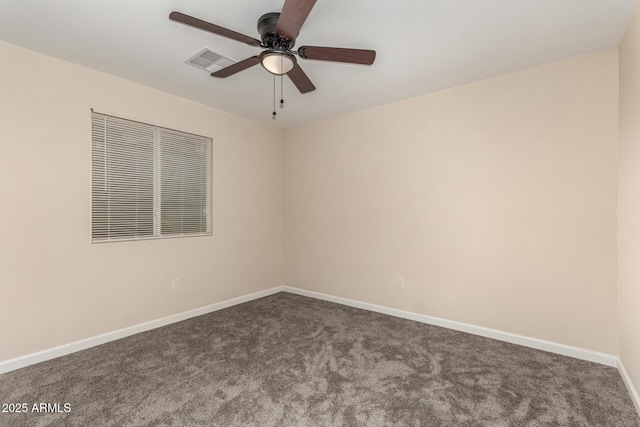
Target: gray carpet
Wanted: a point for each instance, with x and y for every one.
(287, 360)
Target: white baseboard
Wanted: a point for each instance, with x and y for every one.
(633, 391)
(565, 350)
(52, 353)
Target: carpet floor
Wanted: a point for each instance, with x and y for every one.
(288, 360)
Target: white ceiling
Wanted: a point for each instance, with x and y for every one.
(422, 45)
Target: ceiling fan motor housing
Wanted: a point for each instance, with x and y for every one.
(267, 28)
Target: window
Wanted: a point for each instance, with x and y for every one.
(147, 181)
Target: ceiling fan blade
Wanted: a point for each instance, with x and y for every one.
(293, 15)
(237, 67)
(300, 79)
(338, 54)
(212, 28)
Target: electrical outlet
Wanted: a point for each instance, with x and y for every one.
(400, 282)
(176, 285)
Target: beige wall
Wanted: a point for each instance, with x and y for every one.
(629, 202)
(495, 200)
(57, 287)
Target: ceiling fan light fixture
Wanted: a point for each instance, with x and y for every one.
(277, 62)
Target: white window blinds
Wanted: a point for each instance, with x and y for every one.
(148, 181)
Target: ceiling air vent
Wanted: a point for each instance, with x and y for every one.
(209, 61)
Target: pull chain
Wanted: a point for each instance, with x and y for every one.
(274, 114)
(274, 98)
(282, 91)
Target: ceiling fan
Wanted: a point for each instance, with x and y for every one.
(278, 33)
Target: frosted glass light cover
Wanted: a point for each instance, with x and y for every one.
(277, 63)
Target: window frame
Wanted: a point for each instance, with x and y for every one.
(157, 179)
